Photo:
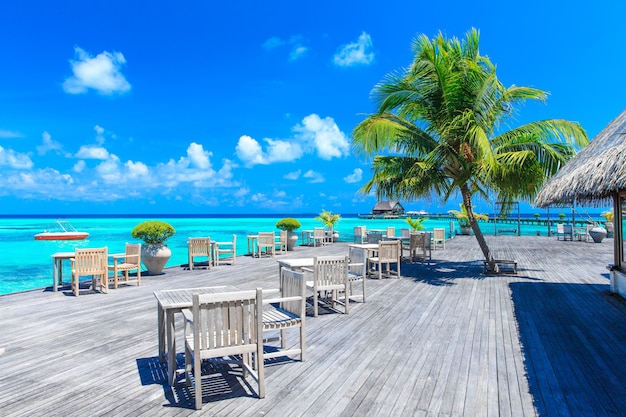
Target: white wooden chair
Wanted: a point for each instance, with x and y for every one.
(357, 270)
(199, 247)
(439, 237)
(374, 237)
(90, 261)
(319, 236)
(360, 235)
(281, 241)
(285, 312)
(225, 252)
(405, 232)
(267, 243)
(223, 325)
(330, 275)
(564, 230)
(415, 244)
(389, 252)
(126, 262)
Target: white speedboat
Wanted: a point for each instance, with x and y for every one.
(66, 232)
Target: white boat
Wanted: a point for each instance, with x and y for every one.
(66, 232)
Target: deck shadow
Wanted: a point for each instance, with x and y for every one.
(572, 338)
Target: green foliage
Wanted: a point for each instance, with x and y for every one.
(561, 216)
(153, 232)
(289, 224)
(537, 215)
(441, 128)
(416, 224)
(328, 219)
(608, 215)
(463, 218)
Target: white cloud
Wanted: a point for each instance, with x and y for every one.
(356, 176)
(298, 49)
(273, 43)
(355, 53)
(136, 169)
(250, 151)
(298, 52)
(47, 144)
(14, 159)
(7, 134)
(109, 170)
(198, 157)
(294, 175)
(101, 73)
(79, 166)
(324, 135)
(92, 152)
(313, 176)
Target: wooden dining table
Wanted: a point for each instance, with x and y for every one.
(57, 268)
(170, 302)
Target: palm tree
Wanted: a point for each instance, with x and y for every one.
(439, 130)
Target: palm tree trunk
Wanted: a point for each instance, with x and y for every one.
(467, 202)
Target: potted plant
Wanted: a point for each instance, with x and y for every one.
(608, 217)
(154, 252)
(416, 224)
(463, 219)
(289, 224)
(329, 219)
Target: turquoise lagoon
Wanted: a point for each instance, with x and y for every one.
(27, 265)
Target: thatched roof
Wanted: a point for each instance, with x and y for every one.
(388, 206)
(594, 173)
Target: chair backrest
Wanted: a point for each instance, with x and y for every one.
(267, 239)
(416, 241)
(374, 237)
(330, 271)
(357, 262)
(389, 251)
(560, 228)
(293, 284)
(319, 233)
(133, 253)
(391, 231)
(439, 234)
(199, 246)
(427, 237)
(359, 232)
(567, 228)
(227, 323)
(404, 232)
(91, 261)
(284, 235)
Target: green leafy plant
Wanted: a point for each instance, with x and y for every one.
(462, 217)
(328, 219)
(608, 215)
(153, 232)
(289, 224)
(416, 224)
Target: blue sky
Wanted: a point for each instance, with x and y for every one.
(248, 107)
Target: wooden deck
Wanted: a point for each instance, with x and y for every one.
(445, 340)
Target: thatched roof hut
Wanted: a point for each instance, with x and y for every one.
(594, 174)
(388, 208)
(597, 176)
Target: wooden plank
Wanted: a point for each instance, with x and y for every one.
(444, 340)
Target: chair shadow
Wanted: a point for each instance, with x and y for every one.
(220, 380)
(572, 338)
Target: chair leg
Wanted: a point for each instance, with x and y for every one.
(315, 303)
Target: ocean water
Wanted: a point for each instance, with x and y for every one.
(27, 264)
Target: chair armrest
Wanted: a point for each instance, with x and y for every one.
(305, 269)
(282, 299)
(187, 315)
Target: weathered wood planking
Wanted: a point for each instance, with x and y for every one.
(445, 340)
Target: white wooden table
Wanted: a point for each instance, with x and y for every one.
(171, 302)
(57, 268)
(294, 263)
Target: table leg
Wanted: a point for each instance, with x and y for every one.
(171, 347)
(161, 332)
(55, 274)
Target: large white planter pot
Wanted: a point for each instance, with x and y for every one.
(465, 230)
(154, 257)
(292, 238)
(597, 234)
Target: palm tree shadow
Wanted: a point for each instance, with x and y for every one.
(442, 272)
